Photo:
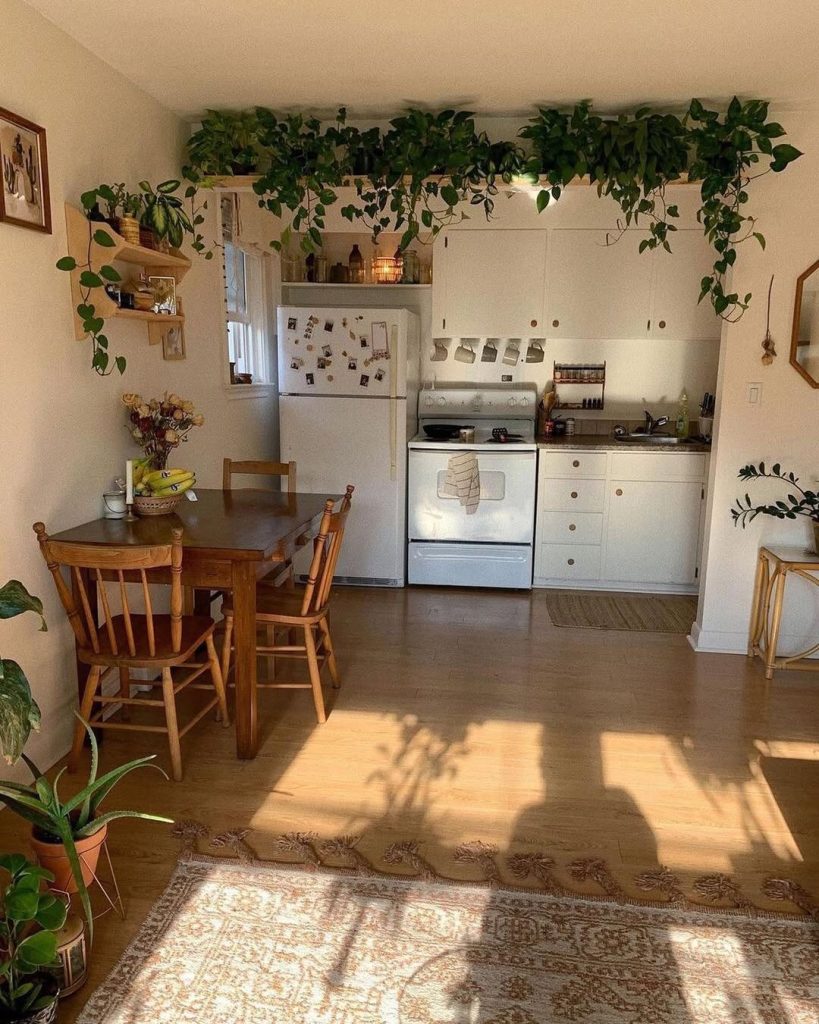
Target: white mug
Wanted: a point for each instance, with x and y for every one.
(440, 352)
(511, 354)
(464, 353)
(535, 353)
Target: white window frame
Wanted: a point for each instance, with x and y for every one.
(260, 314)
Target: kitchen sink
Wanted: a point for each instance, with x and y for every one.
(658, 439)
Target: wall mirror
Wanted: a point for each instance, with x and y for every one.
(805, 337)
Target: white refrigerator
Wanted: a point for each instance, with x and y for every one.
(348, 403)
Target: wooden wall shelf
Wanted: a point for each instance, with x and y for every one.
(161, 264)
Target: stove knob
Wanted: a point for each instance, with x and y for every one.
(441, 401)
(428, 400)
(512, 401)
(524, 401)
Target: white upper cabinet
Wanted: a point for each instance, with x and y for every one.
(675, 311)
(597, 290)
(489, 283)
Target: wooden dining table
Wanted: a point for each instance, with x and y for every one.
(230, 539)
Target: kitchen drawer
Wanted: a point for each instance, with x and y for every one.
(570, 527)
(674, 465)
(568, 562)
(572, 495)
(575, 463)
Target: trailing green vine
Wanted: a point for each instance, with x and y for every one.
(425, 170)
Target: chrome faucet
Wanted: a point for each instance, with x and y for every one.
(652, 425)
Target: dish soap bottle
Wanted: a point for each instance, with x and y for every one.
(682, 416)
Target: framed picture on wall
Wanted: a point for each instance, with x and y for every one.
(173, 341)
(24, 198)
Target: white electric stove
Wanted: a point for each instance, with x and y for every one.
(492, 547)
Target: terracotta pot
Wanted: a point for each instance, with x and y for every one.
(815, 523)
(52, 857)
(147, 239)
(128, 227)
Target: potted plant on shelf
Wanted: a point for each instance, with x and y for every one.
(122, 208)
(799, 502)
(29, 920)
(19, 713)
(163, 215)
(67, 837)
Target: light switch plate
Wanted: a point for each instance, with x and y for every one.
(754, 393)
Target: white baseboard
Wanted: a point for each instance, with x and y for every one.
(716, 642)
(546, 583)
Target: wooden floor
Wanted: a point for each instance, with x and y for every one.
(467, 715)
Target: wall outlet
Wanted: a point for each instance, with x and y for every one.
(754, 393)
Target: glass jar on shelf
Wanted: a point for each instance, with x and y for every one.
(411, 270)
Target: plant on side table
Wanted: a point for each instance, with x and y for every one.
(29, 920)
(67, 837)
(802, 503)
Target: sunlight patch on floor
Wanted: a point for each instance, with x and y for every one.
(661, 776)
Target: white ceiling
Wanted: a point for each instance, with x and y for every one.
(490, 56)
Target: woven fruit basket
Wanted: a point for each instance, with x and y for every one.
(146, 505)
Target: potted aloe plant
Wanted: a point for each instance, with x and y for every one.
(67, 836)
(29, 920)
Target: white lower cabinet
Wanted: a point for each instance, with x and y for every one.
(632, 523)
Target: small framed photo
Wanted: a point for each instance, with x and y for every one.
(352, 364)
(173, 342)
(292, 323)
(365, 380)
(321, 363)
(24, 197)
(379, 374)
(326, 351)
(164, 294)
(309, 378)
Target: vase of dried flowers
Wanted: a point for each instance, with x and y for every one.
(159, 425)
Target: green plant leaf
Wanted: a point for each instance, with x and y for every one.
(104, 819)
(51, 912)
(104, 239)
(21, 903)
(110, 273)
(13, 863)
(19, 713)
(37, 950)
(66, 263)
(15, 600)
(88, 279)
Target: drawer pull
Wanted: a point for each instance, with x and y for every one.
(555, 323)
(570, 561)
(572, 527)
(533, 323)
(574, 494)
(662, 324)
(576, 463)
(619, 492)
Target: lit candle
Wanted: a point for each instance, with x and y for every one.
(129, 482)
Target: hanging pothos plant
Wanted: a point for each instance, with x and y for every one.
(425, 170)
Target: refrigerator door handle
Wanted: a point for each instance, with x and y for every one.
(393, 401)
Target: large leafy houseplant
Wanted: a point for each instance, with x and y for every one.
(29, 920)
(800, 503)
(164, 212)
(19, 713)
(65, 822)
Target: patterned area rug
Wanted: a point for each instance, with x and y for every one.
(236, 941)
(658, 613)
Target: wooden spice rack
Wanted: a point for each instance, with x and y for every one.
(591, 376)
(173, 264)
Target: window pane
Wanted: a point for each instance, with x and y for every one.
(235, 284)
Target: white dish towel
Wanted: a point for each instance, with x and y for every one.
(463, 481)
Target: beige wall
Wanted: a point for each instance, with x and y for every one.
(784, 427)
(62, 427)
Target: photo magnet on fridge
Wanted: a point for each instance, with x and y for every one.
(379, 374)
(296, 364)
(309, 378)
(292, 323)
(328, 326)
(365, 380)
(381, 344)
(326, 351)
(352, 365)
(364, 340)
(322, 363)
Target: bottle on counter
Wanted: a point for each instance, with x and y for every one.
(682, 416)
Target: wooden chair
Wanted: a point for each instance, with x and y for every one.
(307, 609)
(127, 641)
(283, 574)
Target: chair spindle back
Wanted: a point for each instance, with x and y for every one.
(231, 467)
(326, 549)
(99, 562)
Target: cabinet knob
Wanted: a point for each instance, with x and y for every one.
(533, 323)
(661, 324)
(576, 463)
(574, 494)
(572, 527)
(555, 323)
(570, 561)
(619, 492)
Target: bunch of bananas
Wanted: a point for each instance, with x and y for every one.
(162, 483)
